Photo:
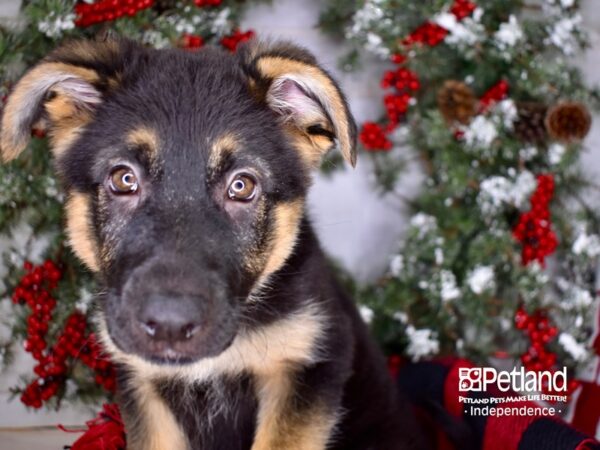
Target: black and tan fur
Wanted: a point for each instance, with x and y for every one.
(276, 356)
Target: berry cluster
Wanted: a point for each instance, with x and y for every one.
(402, 79)
(534, 229)
(404, 82)
(430, 34)
(234, 39)
(107, 10)
(396, 106)
(34, 290)
(373, 137)
(540, 332)
(493, 95)
(192, 42)
(462, 9)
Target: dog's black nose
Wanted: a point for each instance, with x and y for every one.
(169, 319)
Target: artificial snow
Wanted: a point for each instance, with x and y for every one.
(509, 33)
(366, 313)
(481, 279)
(497, 192)
(397, 265)
(54, 25)
(481, 132)
(572, 347)
(448, 289)
(422, 343)
(587, 245)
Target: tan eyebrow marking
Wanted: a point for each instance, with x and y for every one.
(146, 139)
(222, 147)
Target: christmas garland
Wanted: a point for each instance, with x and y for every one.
(500, 258)
(50, 290)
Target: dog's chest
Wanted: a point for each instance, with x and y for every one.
(220, 414)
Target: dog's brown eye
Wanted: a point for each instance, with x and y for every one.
(242, 188)
(123, 181)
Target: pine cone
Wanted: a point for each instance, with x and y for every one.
(529, 126)
(568, 121)
(457, 102)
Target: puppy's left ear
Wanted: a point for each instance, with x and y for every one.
(309, 103)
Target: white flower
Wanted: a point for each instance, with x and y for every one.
(481, 132)
(587, 244)
(555, 153)
(496, 192)
(571, 346)
(54, 25)
(481, 279)
(509, 33)
(397, 265)
(449, 290)
(366, 313)
(561, 34)
(421, 343)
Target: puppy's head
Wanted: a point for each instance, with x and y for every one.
(186, 175)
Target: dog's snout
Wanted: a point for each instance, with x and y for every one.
(170, 319)
(175, 310)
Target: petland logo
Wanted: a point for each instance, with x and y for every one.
(479, 379)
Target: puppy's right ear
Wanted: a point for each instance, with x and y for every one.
(59, 94)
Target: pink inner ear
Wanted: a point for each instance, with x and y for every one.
(80, 91)
(289, 99)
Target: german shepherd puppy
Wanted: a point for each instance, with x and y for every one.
(186, 175)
